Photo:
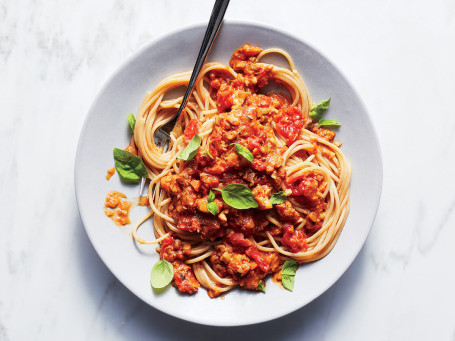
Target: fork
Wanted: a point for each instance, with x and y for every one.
(163, 133)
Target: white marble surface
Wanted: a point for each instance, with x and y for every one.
(55, 56)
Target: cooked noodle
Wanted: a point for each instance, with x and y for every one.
(310, 154)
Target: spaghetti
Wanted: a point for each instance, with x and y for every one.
(291, 156)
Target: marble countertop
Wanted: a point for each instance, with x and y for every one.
(56, 55)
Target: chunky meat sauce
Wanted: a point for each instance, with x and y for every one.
(247, 118)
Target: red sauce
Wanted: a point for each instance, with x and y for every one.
(289, 121)
(191, 129)
(250, 119)
(110, 173)
(117, 207)
(184, 278)
(294, 240)
(131, 147)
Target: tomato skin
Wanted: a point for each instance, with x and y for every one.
(191, 129)
(289, 121)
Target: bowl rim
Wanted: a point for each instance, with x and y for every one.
(136, 54)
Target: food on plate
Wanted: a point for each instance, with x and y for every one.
(252, 184)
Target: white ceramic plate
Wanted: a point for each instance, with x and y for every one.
(106, 127)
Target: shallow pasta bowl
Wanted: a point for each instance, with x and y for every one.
(106, 127)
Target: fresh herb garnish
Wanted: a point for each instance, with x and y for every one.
(316, 114)
(261, 286)
(207, 152)
(211, 196)
(162, 273)
(129, 166)
(211, 206)
(278, 198)
(288, 274)
(238, 196)
(328, 123)
(190, 150)
(245, 152)
(132, 122)
(317, 109)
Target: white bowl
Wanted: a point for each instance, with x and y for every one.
(106, 127)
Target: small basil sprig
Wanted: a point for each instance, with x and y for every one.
(245, 152)
(288, 274)
(317, 109)
(162, 273)
(207, 152)
(129, 166)
(329, 123)
(316, 114)
(190, 150)
(278, 198)
(261, 286)
(238, 196)
(132, 122)
(211, 206)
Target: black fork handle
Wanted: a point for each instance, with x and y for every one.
(210, 34)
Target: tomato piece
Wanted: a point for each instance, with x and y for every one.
(191, 129)
(294, 240)
(305, 186)
(225, 98)
(289, 121)
(237, 239)
(259, 257)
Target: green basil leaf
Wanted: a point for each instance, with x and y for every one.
(278, 198)
(317, 109)
(329, 123)
(207, 152)
(162, 273)
(129, 166)
(132, 122)
(289, 267)
(190, 150)
(238, 196)
(261, 286)
(211, 196)
(288, 282)
(212, 208)
(288, 271)
(245, 152)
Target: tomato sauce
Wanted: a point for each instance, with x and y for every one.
(191, 129)
(117, 207)
(250, 119)
(110, 173)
